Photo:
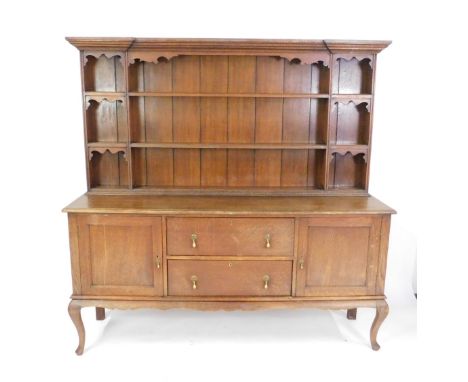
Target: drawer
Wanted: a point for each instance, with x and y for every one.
(230, 236)
(229, 278)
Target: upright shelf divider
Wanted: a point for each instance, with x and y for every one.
(129, 129)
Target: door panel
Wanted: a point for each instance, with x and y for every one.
(119, 255)
(339, 256)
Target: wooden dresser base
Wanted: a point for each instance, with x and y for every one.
(381, 306)
(226, 253)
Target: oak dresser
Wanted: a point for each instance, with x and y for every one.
(227, 174)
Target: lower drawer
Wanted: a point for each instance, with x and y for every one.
(229, 278)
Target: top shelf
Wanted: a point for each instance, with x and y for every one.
(237, 95)
(363, 97)
(226, 76)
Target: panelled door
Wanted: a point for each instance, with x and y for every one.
(120, 255)
(338, 256)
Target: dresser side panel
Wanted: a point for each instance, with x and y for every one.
(382, 267)
(74, 253)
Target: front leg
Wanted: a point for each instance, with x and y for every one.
(380, 315)
(74, 310)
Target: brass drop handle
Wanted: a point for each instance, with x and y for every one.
(267, 241)
(301, 263)
(194, 240)
(158, 262)
(266, 281)
(194, 282)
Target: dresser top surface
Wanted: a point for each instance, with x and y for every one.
(228, 205)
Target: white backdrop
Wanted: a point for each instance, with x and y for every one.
(419, 167)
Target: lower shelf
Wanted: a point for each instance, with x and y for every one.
(271, 191)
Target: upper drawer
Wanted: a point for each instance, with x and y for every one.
(230, 236)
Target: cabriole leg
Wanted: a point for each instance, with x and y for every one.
(380, 315)
(351, 314)
(74, 310)
(100, 313)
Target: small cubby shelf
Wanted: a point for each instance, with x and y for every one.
(108, 167)
(104, 71)
(106, 119)
(348, 170)
(350, 122)
(291, 119)
(352, 74)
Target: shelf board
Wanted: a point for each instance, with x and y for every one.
(346, 190)
(340, 148)
(105, 94)
(271, 146)
(352, 96)
(107, 144)
(109, 189)
(241, 191)
(228, 95)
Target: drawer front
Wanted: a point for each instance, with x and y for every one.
(229, 278)
(230, 236)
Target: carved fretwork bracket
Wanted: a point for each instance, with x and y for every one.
(351, 151)
(358, 103)
(308, 58)
(149, 56)
(103, 149)
(98, 99)
(96, 55)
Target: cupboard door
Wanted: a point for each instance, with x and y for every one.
(120, 255)
(338, 256)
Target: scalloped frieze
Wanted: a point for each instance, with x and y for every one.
(99, 99)
(303, 58)
(97, 55)
(351, 151)
(102, 150)
(356, 102)
(358, 57)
